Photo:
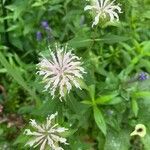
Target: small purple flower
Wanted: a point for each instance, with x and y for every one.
(38, 36)
(45, 25)
(143, 76)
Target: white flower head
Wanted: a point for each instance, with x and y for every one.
(47, 134)
(61, 71)
(104, 9)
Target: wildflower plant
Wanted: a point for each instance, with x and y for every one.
(115, 85)
(103, 9)
(61, 71)
(46, 135)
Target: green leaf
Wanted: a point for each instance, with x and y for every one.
(37, 4)
(87, 102)
(85, 42)
(110, 38)
(16, 75)
(114, 101)
(135, 107)
(106, 98)
(141, 94)
(99, 119)
(25, 109)
(80, 42)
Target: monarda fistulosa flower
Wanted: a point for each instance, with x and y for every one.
(104, 9)
(46, 135)
(61, 71)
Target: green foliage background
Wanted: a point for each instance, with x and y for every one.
(101, 116)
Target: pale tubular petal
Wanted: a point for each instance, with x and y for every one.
(108, 4)
(49, 120)
(55, 60)
(28, 132)
(61, 89)
(52, 91)
(67, 58)
(59, 148)
(88, 7)
(50, 142)
(61, 129)
(69, 86)
(105, 3)
(72, 65)
(110, 8)
(116, 8)
(77, 85)
(41, 72)
(47, 74)
(43, 145)
(51, 117)
(54, 78)
(47, 85)
(111, 16)
(60, 58)
(46, 62)
(81, 69)
(37, 144)
(59, 139)
(34, 124)
(67, 61)
(36, 140)
(72, 68)
(56, 81)
(116, 15)
(96, 20)
(52, 129)
(76, 73)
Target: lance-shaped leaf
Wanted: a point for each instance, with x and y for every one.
(99, 119)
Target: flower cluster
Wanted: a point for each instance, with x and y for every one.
(61, 71)
(47, 134)
(104, 9)
(45, 30)
(143, 76)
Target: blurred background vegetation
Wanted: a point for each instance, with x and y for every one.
(114, 55)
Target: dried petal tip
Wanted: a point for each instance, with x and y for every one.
(47, 134)
(61, 71)
(140, 130)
